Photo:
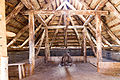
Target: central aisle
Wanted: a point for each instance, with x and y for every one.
(78, 71)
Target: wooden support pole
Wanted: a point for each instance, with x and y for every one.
(98, 39)
(66, 22)
(31, 43)
(84, 45)
(3, 44)
(4, 68)
(47, 49)
(82, 48)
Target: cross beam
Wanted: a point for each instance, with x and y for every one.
(60, 27)
(68, 12)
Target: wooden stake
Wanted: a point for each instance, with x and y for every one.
(98, 39)
(31, 43)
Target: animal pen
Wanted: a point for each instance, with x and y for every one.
(59, 40)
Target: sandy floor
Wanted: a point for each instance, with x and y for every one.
(78, 71)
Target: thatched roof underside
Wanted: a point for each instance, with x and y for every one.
(16, 22)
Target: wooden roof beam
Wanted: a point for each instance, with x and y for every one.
(56, 31)
(60, 27)
(90, 42)
(46, 21)
(68, 12)
(98, 7)
(112, 35)
(113, 9)
(14, 12)
(35, 4)
(18, 35)
(75, 30)
(29, 6)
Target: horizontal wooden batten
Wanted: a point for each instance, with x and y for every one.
(68, 12)
(59, 27)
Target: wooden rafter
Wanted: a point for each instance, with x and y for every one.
(14, 12)
(112, 35)
(35, 4)
(99, 6)
(91, 43)
(40, 43)
(18, 35)
(113, 9)
(56, 31)
(47, 50)
(45, 23)
(29, 6)
(42, 31)
(88, 36)
(75, 30)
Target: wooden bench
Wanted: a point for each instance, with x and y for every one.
(21, 70)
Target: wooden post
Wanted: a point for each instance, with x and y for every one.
(98, 39)
(3, 44)
(65, 30)
(84, 45)
(66, 22)
(31, 43)
(82, 48)
(47, 49)
(4, 68)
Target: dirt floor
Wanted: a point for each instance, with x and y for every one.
(78, 71)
